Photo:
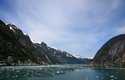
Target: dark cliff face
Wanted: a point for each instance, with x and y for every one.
(17, 45)
(16, 48)
(112, 53)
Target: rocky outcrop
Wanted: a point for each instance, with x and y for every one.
(16, 48)
(112, 53)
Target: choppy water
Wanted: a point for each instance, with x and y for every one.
(60, 72)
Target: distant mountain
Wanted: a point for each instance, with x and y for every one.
(56, 56)
(112, 53)
(85, 60)
(16, 48)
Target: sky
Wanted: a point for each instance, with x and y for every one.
(79, 27)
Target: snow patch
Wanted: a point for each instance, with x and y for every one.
(14, 27)
(25, 34)
(33, 41)
(69, 55)
(78, 57)
(55, 48)
(11, 28)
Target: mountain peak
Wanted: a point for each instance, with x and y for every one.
(13, 26)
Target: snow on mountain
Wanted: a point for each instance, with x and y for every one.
(78, 57)
(11, 29)
(25, 34)
(69, 55)
(13, 26)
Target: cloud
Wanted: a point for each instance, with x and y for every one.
(121, 30)
(76, 26)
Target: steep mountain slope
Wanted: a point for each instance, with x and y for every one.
(57, 56)
(111, 53)
(16, 48)
(15, 45)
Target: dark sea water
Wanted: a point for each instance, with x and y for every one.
(60, 72)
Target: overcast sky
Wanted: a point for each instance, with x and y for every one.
(79, 27)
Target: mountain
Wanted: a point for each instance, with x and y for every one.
(84, 60)
(112, 53)
(16, 48)
(56, 56)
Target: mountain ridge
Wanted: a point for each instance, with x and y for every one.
(16, 48)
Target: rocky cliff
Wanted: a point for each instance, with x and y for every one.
(112, 53)
(16, 48)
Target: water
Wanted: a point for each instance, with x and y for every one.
(60, 72)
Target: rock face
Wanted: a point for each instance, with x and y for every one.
(16, 48)
(112, 53)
